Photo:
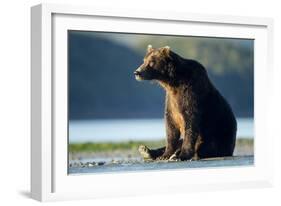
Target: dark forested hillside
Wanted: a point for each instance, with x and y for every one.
(102, 84)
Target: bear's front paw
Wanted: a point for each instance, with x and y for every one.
(168, 154)
(185, 155)
(165, 156)
(175, 156)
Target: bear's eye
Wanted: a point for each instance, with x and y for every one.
(151, 63)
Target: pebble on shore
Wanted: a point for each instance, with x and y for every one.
(86, 164)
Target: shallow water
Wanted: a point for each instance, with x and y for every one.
(133, 129)
(139, 165)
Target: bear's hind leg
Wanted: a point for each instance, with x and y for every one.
(151, 154)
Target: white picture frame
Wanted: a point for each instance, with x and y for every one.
(49, 178)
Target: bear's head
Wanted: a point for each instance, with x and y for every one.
(157, 65)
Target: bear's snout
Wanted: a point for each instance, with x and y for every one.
(139, 74)
(142, 73)
(136, 73)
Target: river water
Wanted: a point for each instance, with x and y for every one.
(134, 129)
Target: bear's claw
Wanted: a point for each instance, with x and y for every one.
(174, 158)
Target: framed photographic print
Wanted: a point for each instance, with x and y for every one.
(138, 102)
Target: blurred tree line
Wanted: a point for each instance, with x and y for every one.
(102, 84)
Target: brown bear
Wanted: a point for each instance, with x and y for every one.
(199, 121)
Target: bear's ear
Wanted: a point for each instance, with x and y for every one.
(149, 48)
(165, 50)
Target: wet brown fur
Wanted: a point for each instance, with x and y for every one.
(199, 121)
